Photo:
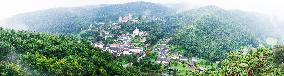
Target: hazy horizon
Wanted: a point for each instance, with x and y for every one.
(271, 8)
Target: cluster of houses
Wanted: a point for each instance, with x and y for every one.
(165, 57)
(124, 46)
(162, 54)
(130, 18)
(127, 49)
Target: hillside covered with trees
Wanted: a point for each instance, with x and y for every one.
(24, 53)
(141, 39)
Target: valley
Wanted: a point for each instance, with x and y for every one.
(140, 39)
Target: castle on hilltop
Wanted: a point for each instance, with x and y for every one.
(126, 18)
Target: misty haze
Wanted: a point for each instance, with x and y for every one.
(141, 38)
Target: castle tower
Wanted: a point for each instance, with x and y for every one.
(129, 16)
(120, 19)
(136, 32)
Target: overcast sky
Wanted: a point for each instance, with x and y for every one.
(270, 7)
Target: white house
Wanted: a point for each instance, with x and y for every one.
(136, 50)
(175, 56)
(114, 45)
(126, 52)
(163, 61)
(99, 45)
(194, 59)
(183, 59)
(135, 32)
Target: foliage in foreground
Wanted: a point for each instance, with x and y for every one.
(24, 53)
(11, 69)
(254, 62)
(258, 62)
(45, 54)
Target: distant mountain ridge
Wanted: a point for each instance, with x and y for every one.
(75, 19)
(78, 17)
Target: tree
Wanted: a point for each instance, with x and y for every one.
(210, 36)
(258, 62)
(5, 49)
(11, 69)
(278, 54)
(46, 54)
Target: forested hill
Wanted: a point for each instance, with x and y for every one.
(141, 38)
(210, 32)
(74, 19)
(211, 27)
(24, 53)
(27, 54)
(199, 31)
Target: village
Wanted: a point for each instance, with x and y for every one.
(126, 46)
(124, 43)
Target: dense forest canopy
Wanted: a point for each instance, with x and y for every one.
(45, 54)
(211, 36)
